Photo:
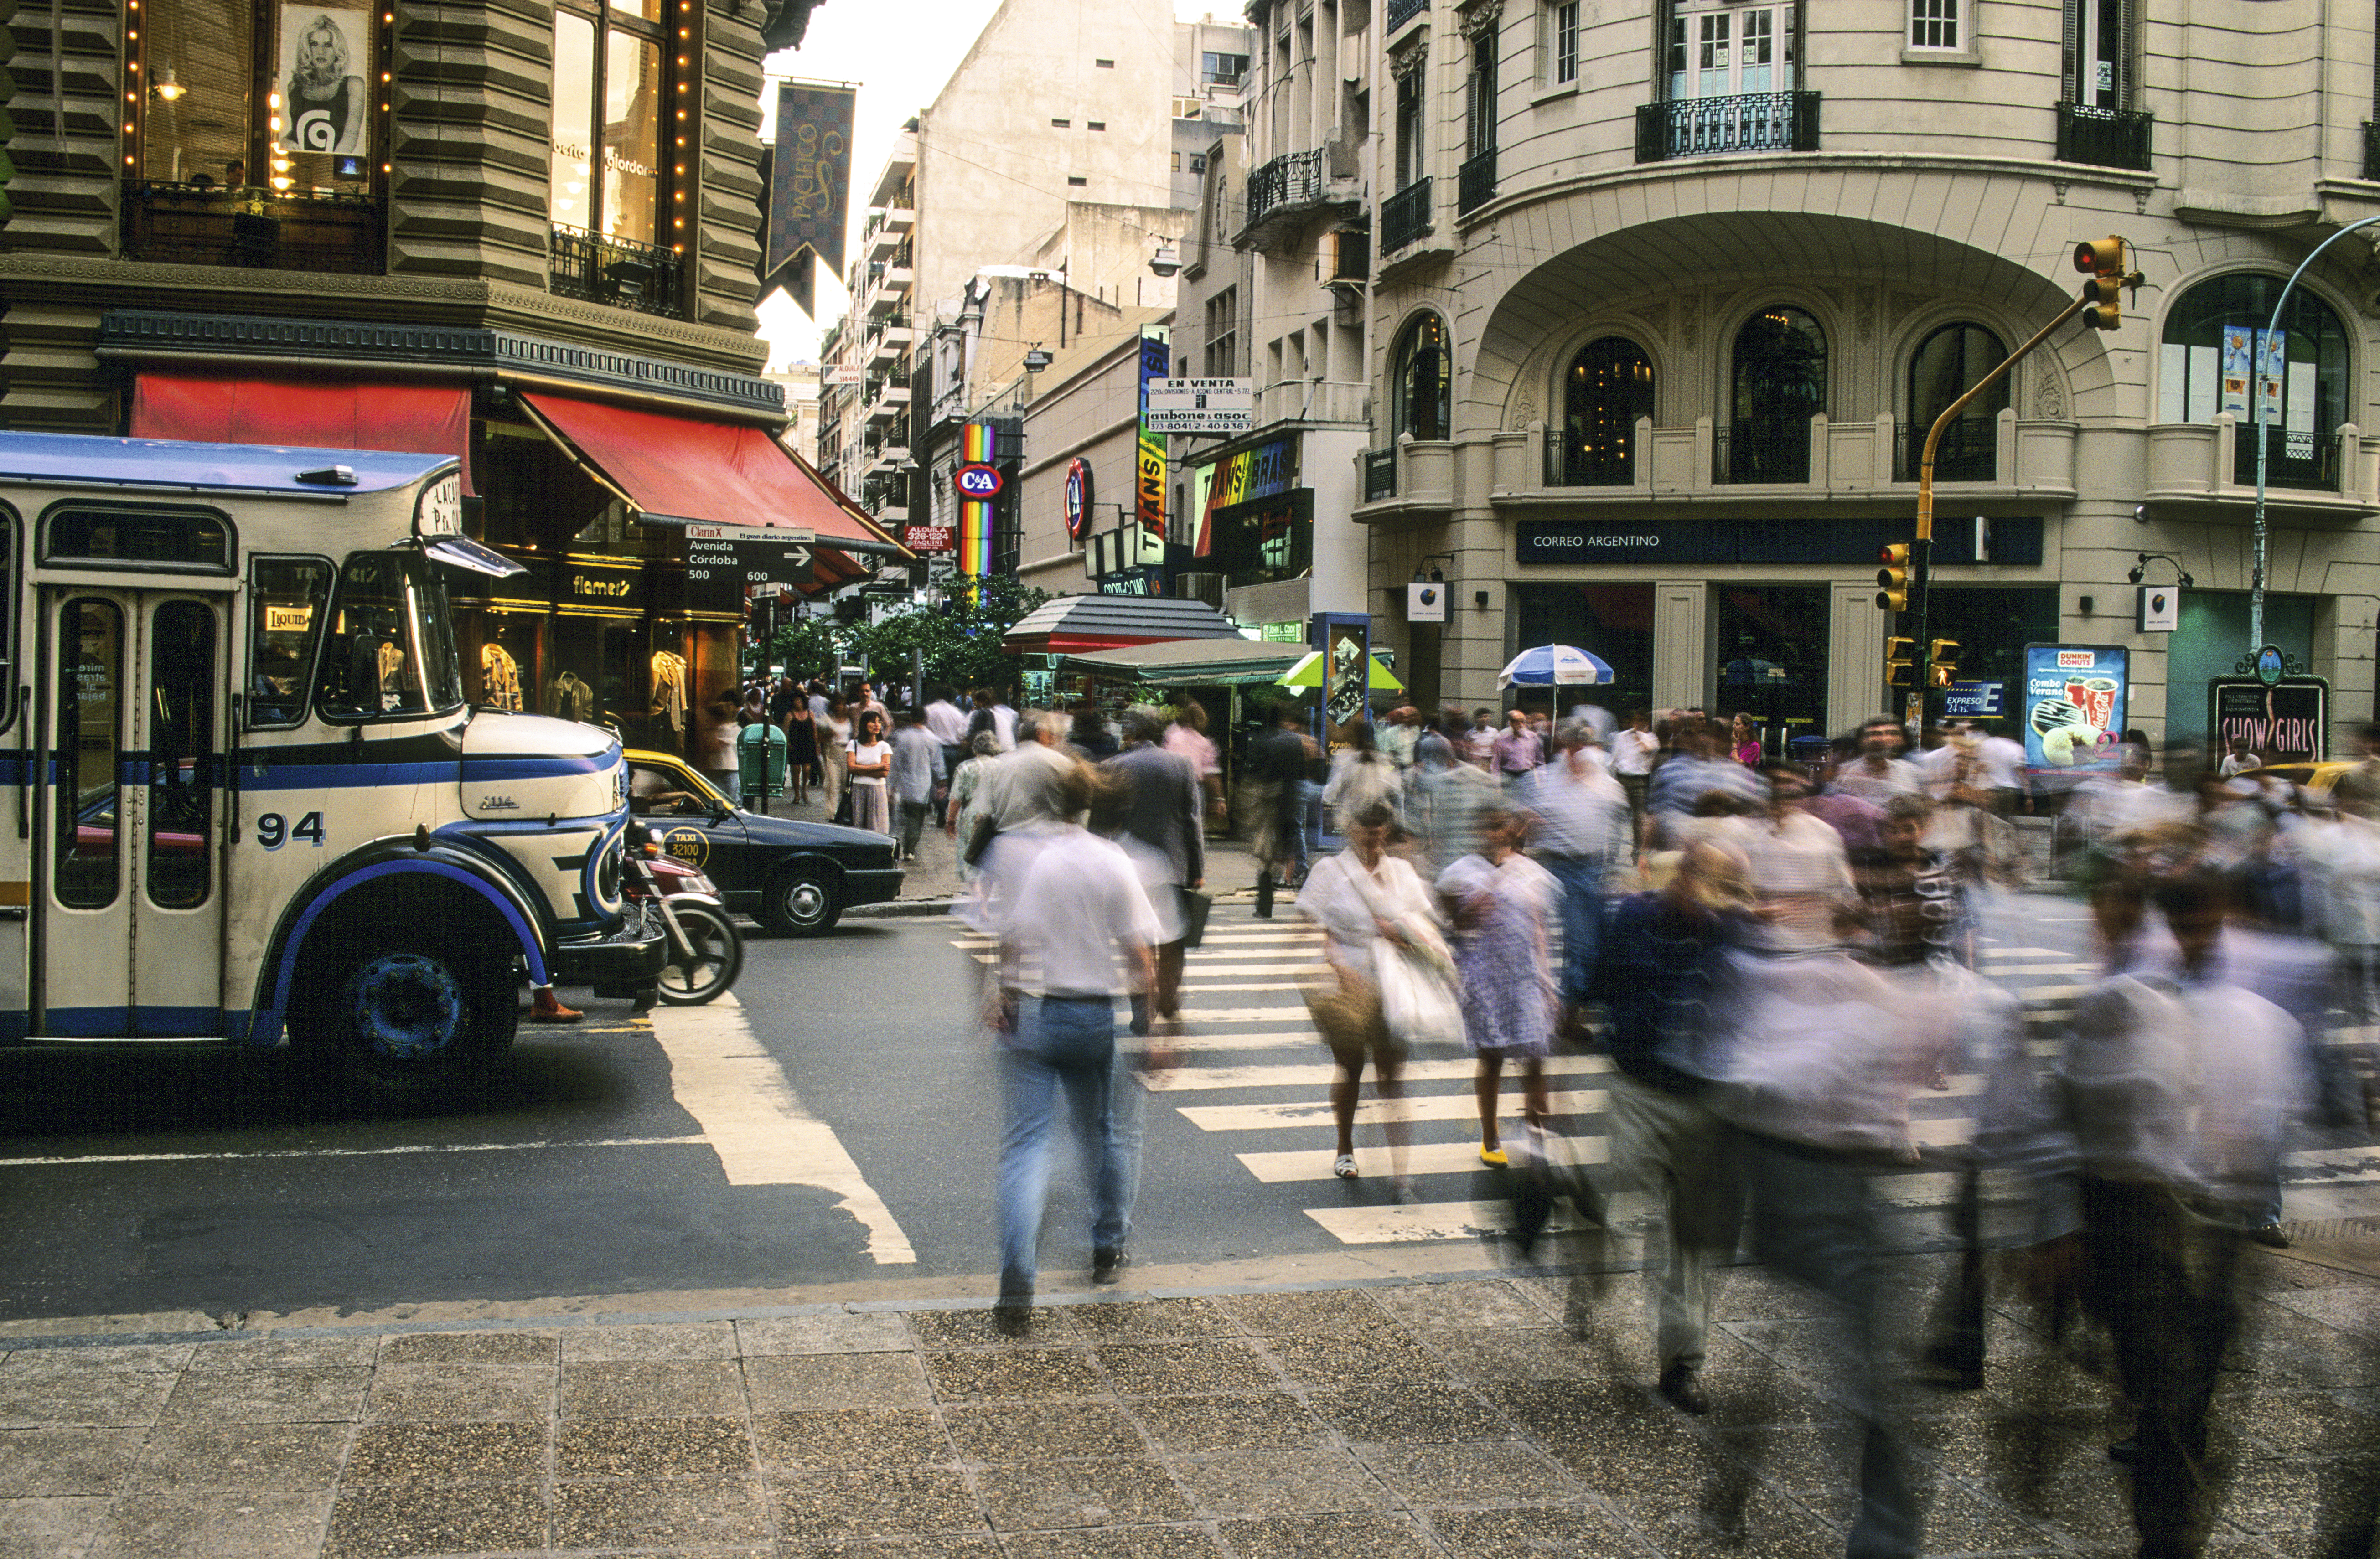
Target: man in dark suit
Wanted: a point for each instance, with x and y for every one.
(1149, 804)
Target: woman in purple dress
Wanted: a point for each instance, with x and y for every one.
(1502, 904)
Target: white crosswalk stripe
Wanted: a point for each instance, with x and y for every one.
(1264, 1040)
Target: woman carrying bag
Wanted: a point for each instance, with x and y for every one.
(1394, 977)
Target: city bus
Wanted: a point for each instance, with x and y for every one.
(250, 802)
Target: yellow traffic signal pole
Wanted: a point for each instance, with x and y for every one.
(1921, 551)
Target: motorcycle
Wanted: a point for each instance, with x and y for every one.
(706, 951)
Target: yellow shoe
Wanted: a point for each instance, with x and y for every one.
(1495, 1156)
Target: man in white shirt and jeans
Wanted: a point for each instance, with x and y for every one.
(1076, 932)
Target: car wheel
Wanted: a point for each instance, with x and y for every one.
(408, 1023)
(718, 956)
(803, 903)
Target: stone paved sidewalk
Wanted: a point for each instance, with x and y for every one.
(1455, 1418)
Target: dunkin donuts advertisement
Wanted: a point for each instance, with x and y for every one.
(2074, 699)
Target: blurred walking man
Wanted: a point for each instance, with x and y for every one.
(1076, 932)
(1154, 815)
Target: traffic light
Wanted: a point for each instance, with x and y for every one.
(1893, 578)
(8, 90)
(1941, 662)
(1899, 662)
(2102, 259)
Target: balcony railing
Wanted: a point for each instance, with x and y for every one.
(1294, 178)
(2371, 149)
(1715, 127)
(1766, 450)
(1969, 451)
(1577, 464)
(1380, 474)
(1476, 183)
(2291, 459)
(1405, 217)
(1402, 11)
(621, 272)
(2106, 138)
(253, 229)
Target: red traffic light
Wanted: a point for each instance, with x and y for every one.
(2102, 255)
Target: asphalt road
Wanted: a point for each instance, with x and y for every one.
(836, 1127)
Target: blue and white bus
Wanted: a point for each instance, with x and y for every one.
(250, 800)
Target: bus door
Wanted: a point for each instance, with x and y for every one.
(129, 896)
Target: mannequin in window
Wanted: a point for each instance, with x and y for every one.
(669, 691)
(499, 685)
(569, 699)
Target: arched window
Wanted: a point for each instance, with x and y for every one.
(1945, 367)
(1781, 383)
(1418, 381)
(2214, 346)
(1609, 386)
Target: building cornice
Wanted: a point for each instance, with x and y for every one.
(2049, 172)
(478, 352)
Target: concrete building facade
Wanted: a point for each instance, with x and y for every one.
(1664, 294)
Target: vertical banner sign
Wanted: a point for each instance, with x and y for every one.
(977, 444)
(2075, 697)
(809, 184)
(1155, 357)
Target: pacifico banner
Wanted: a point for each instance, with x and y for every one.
(809, 183)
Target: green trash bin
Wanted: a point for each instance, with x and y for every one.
(761, 762)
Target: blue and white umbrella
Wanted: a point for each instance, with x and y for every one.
(1554, 665)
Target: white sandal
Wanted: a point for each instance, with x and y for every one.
(1343, 1167)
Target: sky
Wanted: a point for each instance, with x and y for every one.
(900, 52)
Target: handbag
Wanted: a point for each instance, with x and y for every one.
(1416, 1002)
(1195, 903)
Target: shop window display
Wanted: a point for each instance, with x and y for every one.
(1771, 642)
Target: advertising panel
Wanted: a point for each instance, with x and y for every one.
(1202, 405)
(2289, 723)
(2075, 698)
(1266, 471)
(1148, 503)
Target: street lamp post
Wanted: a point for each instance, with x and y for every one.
(2256, 350)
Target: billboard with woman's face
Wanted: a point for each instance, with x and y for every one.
(324, 52)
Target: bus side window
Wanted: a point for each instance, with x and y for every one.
(288, 601)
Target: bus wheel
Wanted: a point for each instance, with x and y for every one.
(409, 1025)
(801, 904)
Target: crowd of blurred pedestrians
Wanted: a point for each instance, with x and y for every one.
(1777, 959)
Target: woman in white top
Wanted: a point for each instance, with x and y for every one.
(834, 747)
(871, 765)
(1363, 896)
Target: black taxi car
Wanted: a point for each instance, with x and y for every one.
(789, 874)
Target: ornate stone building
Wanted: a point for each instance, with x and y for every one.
(524, 231)
(1665, 294)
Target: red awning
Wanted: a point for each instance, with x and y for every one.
(690, 470)
(306, 414)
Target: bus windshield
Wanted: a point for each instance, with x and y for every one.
(390, 652)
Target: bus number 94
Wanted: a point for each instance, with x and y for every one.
(273, 831)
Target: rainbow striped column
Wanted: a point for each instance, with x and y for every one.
(976, 443)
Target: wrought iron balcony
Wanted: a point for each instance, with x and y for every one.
(253, 229)
(620, 272)
(1768, 450)
(2293, 459)
(1294, 178)
(1573, 463)
(1476, 181)
(2371, 149)
(2106, 138)
(1380, 474)
(1715, 127)
(1969, 451)
(1402, 11)
(1405, 217)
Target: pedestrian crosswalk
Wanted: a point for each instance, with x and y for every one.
(1254, 1076)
